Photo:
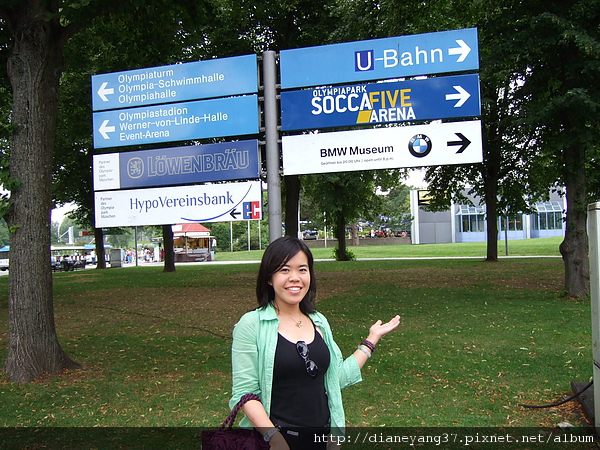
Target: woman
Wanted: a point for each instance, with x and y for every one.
(285, 353)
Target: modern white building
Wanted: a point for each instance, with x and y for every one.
(467, 223)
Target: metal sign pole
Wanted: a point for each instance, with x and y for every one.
(136, 246)
(594, 252)
(272, 145)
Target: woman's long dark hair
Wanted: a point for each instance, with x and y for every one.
(277, 254)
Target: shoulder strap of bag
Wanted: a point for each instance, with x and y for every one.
(231, 417)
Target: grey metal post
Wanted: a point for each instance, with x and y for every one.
(136, 246)
(272, 145)
(594, 255)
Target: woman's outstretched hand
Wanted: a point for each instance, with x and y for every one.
(379, 329)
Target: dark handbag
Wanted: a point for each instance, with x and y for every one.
(226, 438)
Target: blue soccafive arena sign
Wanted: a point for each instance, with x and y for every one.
(375, 103)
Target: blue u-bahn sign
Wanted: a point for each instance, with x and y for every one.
(378, 59)
(375, 103)
(175, 83)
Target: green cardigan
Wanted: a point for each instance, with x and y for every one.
(253, 356)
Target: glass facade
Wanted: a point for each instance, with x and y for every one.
(514, 223)
(468, 223)
(470, 219)
(549, 216)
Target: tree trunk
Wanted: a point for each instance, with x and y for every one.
(574, 248)
(491, 175)
(34, 70)
(340, 233)
(168, 248)
(292, 204)
(491, 210)
(100, 251)
(355, 240)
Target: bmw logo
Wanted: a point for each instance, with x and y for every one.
(419, 145)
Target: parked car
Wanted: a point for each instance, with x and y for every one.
(310, 234)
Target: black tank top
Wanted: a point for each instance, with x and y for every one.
(298, 398)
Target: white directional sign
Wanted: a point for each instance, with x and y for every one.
(175, 83)
(196, 203)
(384, 148)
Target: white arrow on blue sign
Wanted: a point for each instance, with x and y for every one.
(377, 59)
(231, 116)
(175, 83)
(375, 103)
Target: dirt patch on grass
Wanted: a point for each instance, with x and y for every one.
(334, 283)
(216, 309)
(212, 309)
(81, 277)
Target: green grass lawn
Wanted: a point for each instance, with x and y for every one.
(476, 341)
(524, 247)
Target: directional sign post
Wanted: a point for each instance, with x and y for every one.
(181, 102)
(329, 104)
(175, 83)
(378, 59)
(161, 206)
(230, 116)
(218, 98)
(374, 103)
(383, 148)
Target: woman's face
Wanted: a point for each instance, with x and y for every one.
(292, 281)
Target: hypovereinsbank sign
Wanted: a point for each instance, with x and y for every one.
(160, 206)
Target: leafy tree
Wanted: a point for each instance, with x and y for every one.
(310, 212)
(539, 75)
(563, 107)
(395, 208)
(4, 233)
(295, 24)
(224, 231)
(346, 196)
(121, 239)
(506, 145)
(35, 34)
(121, 42)
(37, 31)
(221, 232)
(277, 25)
